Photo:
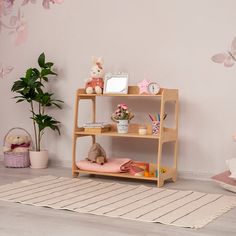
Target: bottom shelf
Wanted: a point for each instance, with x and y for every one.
(169, 174)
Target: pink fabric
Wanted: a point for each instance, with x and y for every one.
(224, 178)
(113, 165)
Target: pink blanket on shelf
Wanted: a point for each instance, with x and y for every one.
(113, 165)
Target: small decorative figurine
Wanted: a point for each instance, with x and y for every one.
(143, 87)
(97, 154)
(95, 83)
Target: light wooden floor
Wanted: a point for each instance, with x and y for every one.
(23, 220)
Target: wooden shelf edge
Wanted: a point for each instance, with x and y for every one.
(122, 175)
(133, 91)
(167, 136)
(170, 173)
(114, 134)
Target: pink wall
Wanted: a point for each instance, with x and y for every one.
(169, 41)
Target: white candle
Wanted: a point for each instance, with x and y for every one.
(142, 130)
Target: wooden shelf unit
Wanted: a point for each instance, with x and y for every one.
(165, 134)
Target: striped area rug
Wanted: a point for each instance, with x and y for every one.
(172, 207)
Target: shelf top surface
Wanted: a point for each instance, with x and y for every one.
(118, 95)
(133, 91)
(115, 134)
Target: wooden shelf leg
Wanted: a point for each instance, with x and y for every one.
(160, 181)
(74, 167)
(75, 174)
(94, 116)
(94, 139)
(94, 109)
(174, 178)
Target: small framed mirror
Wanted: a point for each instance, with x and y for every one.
(116, 83)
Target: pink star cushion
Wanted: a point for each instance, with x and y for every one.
(143, 86)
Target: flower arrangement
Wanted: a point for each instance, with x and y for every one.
(122, 113)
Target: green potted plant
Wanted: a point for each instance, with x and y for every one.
(31, 89)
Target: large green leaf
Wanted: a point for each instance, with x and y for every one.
(28, 73)
(46, 71)
(36, 71)
(48, 65)
(45, 121)
(45, 99)
(41, 60)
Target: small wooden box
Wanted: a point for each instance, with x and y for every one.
(97, 129)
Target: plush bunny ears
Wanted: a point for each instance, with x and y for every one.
(97, 61)
(99, 65)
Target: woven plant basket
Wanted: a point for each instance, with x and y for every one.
(16, 159)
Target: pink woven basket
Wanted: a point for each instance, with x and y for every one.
(19, 159)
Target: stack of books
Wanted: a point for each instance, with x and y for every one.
(97, 127)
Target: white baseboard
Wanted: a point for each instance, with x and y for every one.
(195, 175)
(60, 163)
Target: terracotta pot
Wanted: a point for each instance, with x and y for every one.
(39, 159)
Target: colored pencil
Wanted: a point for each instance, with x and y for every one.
(151, 117)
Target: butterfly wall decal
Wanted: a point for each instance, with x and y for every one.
(4, 70)
(227, 58)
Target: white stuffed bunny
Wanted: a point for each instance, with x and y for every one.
(95, 83)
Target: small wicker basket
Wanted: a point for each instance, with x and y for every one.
(17, 159)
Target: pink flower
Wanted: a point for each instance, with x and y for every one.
(4, 70)
(27, 1)
(20, 31)
(6, 7)
(46, 3)
(124, 106)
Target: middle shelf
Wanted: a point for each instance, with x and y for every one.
(168, 134)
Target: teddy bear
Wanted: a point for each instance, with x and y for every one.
(97, 154)
(95, 83)
(17, 143)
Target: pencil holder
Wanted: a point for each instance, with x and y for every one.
(155, 127)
